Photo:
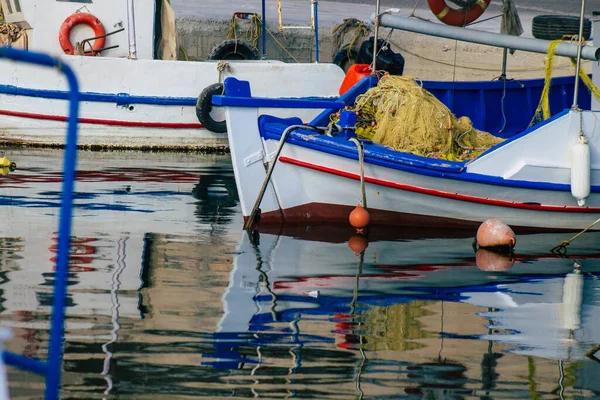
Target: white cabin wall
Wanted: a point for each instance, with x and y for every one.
(596, 66)
(46, 17)
(144, 27)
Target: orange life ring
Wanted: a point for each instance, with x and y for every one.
(64, 34)
(451, 16)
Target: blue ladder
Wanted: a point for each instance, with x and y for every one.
(52, 368)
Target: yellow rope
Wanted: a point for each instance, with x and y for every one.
(542, 112)
(587, 81)
(252, 33)
(359, 36)
(182, 50)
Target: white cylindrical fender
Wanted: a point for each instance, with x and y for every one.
(580, 170)
(572, 300)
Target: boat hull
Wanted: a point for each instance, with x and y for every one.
(525, 181)
(141, 103)
(315, 186)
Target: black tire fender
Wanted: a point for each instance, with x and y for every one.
(554, 27)
(233, 49)
(204, 108)
(344, 58)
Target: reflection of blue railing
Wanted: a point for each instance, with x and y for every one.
(52, 368)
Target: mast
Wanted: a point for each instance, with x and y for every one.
(579, 48)
(131, 29)
(376, 21)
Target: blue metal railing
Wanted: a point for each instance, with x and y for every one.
(52, 367)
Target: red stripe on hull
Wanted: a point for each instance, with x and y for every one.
(439, 193)
(109, 122)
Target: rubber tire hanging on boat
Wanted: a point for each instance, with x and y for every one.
(554, 27)
(204, 107)
(233, 49)
(345, 58)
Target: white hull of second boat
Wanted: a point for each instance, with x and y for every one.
(524, 182)
(141, 103)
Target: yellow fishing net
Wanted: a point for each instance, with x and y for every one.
(401, 114)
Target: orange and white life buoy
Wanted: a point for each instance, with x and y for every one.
(64, 34)
(451, 16)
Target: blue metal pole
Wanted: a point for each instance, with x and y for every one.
(264, 29)
(53, 367)
(315, 8)
(64, 241)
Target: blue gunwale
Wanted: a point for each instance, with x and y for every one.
(271, 128)
(120, 99)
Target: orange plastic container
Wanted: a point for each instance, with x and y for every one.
(355, 73)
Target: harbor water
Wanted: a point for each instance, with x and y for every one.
(170, 299)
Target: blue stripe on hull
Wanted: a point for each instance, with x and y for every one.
(121, 99)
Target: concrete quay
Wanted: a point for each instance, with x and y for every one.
(201, 27)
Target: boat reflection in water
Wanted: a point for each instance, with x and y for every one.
(417, 315)
(168, 298)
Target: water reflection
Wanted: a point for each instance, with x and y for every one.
(168, 298)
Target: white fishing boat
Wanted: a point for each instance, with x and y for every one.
(134, 91)
(544, 175)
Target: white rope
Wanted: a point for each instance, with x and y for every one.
(361, 163)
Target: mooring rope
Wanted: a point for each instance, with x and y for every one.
(363, 192)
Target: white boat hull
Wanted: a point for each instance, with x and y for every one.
(525, 182)
(141, 103)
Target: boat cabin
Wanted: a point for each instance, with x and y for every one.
(142, 29)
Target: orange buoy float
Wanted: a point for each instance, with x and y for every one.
(454, 17)
(495, 233)
(359, 217)
(64, 33)
(358, 243)
(493, 262)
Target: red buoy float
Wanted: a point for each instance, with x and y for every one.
(454, 17)
(495, 233)
(493, 262)
(358, 243)
(64, 33)
(359, 217)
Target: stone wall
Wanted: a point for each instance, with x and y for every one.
(199, 37)
(427, 58)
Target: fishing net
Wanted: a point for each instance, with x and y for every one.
(401, 114)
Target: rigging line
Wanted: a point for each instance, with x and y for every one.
(475, 68)
(114, 297)
(561, 379)
(441, 332)
(412, 14)
(502, 104)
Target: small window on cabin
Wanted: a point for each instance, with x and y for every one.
(13, 13)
